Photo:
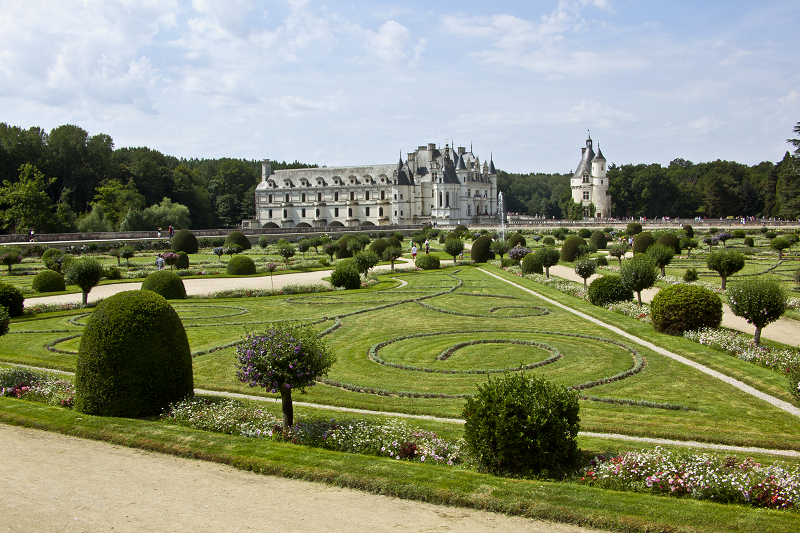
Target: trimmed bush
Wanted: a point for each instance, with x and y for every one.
(770, 234)
(689, 231)
(454, 247)
(634, 228)
(690, 275)
(460, 230)
(165, 283)
(759, 300)
(522, 425)
(51, 256)
(346, 275)
(602, 261)
(185, 241)
(531, 264)
(378, 246)
(608, 290)
(481, 249)
(670, 240)
(638, 274)
(12, 299)
(134, 357)
(548, 241)
(112, 273)
(682, 307)
(85, 272)
(584, 233)
(344, 251)
(517, 239)
(642, 242)
(599, 239)
(48, 281)
(570, 250)
(725, 263)
(779, 244)
(394, 242)
(183, 261)
(427, 262)
(749, 242)
(739, 234)
(241, 265)
(237, 237)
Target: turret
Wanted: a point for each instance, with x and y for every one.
(266, 170)
(599, 164)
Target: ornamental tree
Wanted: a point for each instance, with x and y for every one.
(660, 255)
(454, 247)
(170, 258)
(760, 301)
(779, 244)
(365, 260)
(287, 252)
(126, 253)
(638, 274)
(282, 359)
(330, 248)
(585, 268)
(85, 273)
(724, 237)
(392, 253)
(548, 257)
(11, 255)
(618, 250)
(689, 244)
(499, 247)
(725, 263)
(303, 246)
(518, 253)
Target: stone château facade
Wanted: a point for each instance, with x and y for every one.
(590, 184)
(448, 187)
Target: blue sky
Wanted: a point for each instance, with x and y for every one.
(338, 83)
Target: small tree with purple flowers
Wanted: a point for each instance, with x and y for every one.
(282, 359)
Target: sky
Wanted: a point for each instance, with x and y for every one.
(343, 83)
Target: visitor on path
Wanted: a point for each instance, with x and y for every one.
(159, 233)
(171, 232)
(160, 262)
(414, 251)
(427, 247)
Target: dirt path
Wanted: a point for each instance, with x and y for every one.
(53, 482)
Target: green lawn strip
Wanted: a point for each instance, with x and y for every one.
(562, 502)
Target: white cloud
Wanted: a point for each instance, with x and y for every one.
(705, 124)
(298, 106)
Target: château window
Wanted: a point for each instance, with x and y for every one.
(366, 195)
(287, 198)
(447, 199)
(586, 179)
(303, 197)
(270, 199)
(303, 213)
(383, 194)
(270, 213)
(350, 212)
(585, 195)
(285, 214)
(336, 212)
(317, 213)
(352, 196)
(367, 211)
(380, 211)
(319, 196)
(336, 197)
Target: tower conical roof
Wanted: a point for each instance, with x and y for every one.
(491, 165)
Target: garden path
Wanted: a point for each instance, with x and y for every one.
(64, 483)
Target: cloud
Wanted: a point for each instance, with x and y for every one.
(594, 113)
(705, 124)
(297, 106)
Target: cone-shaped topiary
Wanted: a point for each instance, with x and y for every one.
(481, 249)
(689, 231)
(241, 265)
(599, 239)
(608, 290)
(12, 299)
(517, 239)
(571, 248)
(237, 237)
(670, 240)
(134, 358)
(683, 307)
(642, 242)
(185, 241)
(166, 283)
(48, 281)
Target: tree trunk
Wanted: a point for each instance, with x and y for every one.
(547, 271)
(85, 298)
(724, 279)
(757, 336)
(639, 297)
(286, 407)
(620, 261)
(663, 272)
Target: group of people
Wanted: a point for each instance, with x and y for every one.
(171, 231)
(427, 246)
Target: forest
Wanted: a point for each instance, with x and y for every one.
(67, 180)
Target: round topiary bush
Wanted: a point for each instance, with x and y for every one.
(517, 239)
(690, 275)
(670, 240)
(166, 283)
(393, 242)
(584, 233)
(241, 265)
(571, 248)
(48, 281)
(481, 249)
(460, 230)
(522, 425)
(532, 265)
(634, 228)
(599, 239)
(50, 257)
(749, 242)
(344, 251)
(12, 299)
(185, 241)
(548, 241)
(346, 275)
(378, 246)
(134, 357)
(770, 234)
(642, 242)
(602, 261)
(237, 237)
(427, 262)
(682, 307)
(689, 231)
(183, 261)
(608, 290)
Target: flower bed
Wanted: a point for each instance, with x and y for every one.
(631, 310)
(742, 346)
(37, 387)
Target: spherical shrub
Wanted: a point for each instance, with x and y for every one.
(240, 265)
(522, 425)
(134, 357)
(671, 241)
(427, 262)
(185, 241)
(112, 273)
(634, 228)
(602, 261)
(237, 237)
(12, 299)
(532, 265)
(548, 241)
(739, 234)
(481, 249)
(48, 281)
(690, 275)
(166, 283)
(571, 248)
(346, 275)
(378, 246)
(608, 290)
(682, 307)
(584, 233)
(50, 257)
(599, 239)
(183, 261)
(770, 234)
(344, 250)
(689, 231)
(393, 242)
(642, 242)
(517, 239)
(460, 230)
(749, 242)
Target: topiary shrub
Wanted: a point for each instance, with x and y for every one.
(460, 230)
(532, 265)
(584, 233)
(240, 265)
(165, 283)
(634, 228)
(378, 246)
(690, 275)
(570, 250)
(85, 272)
(682, 307)
(770, 234)
(185, 241)
(642, 242)
(48, 281)
(344, 251)
(427, 262)
(394, 242)
(183, 261)
(112, 273)
(739, 234)
(602, 261)
(482, 249)
(689, 231)
(548, 241)
(749, 242)
(670, 240)
(758, 300)
(134, 357)
(517, 239)
(608, 290)
(346, 275)
(599, 239)
(522, 425)
(50, 258)
(237, 237)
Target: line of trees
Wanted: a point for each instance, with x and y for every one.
(67, 180)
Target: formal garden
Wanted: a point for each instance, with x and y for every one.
(413, 350)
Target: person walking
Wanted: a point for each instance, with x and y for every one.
(414, 251)
(427, 247)
(160, 262)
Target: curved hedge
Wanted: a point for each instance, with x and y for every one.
(517, 239)
(134, 357)
(599, 239)
(183, 261)
(481, 249)
(165, 283)
(682, 307)
(571, 248)
(237, 237)
(346, 275)
(608, 290)
(532, 264)
(12, 299)
(48, 281)
(642, 242)
(240, 265)
(427, 262)
(670, 240)
(185, 241)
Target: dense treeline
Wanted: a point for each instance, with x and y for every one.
(67, 180)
